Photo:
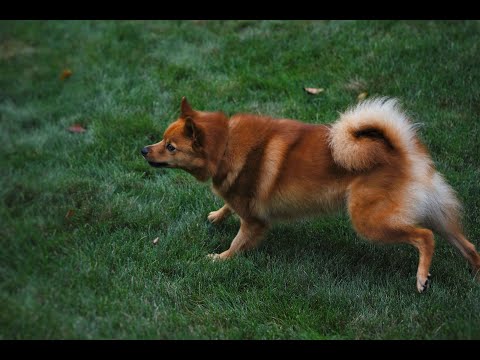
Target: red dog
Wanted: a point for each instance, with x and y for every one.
(369, 161)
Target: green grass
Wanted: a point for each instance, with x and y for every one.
(97, 274)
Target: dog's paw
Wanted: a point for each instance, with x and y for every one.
(215, 217)
(214, 257)
(219, 257)
(424, 283)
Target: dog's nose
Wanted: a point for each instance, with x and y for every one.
(145, 150)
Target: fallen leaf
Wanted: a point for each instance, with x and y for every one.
(69, 214)
(77, 128)
(155, 241)
(362, 96)
(314, 91)
(66, 74)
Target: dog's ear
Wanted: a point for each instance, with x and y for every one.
(185, 109)
(192, 131)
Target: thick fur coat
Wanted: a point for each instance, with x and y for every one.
(370, 161)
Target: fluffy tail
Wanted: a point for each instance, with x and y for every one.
(368, 133)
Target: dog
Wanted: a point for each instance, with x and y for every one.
(370, 161)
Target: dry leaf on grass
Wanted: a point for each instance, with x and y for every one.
(362, 96)
(66, 74)
(314, 91)
(69, 214)
(155, 241)
(77, 128)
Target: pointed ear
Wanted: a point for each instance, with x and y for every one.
(185, 108)
(193, 132)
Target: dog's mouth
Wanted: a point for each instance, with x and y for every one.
(158, 164)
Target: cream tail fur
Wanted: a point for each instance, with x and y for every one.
(381, 114)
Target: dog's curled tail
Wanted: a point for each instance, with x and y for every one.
(369, 133)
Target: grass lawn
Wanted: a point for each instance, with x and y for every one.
(79, 211)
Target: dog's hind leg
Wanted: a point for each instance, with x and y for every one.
(443, 217)
(375, 220)
(455, 236)
(221, 214)
(250, 234)
(422, 239)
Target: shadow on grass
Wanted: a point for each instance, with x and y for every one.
(330, 246)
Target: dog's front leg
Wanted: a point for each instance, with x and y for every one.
(221, 214)
(250, 234)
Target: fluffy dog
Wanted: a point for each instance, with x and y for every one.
(369, 161)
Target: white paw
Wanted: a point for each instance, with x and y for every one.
(214, 217)
(214, 257)
(423, 284)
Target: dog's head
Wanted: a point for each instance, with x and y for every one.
(190, 143)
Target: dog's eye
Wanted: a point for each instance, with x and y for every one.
(170, 147)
